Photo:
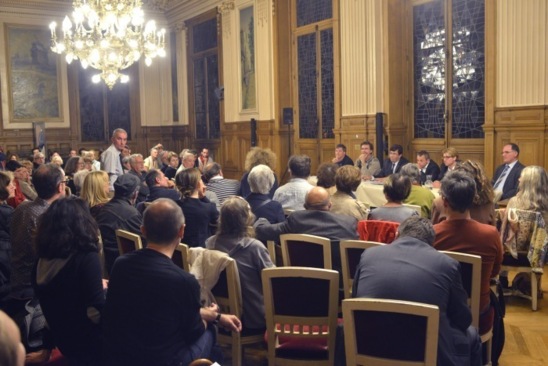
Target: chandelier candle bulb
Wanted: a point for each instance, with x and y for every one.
(109, 36)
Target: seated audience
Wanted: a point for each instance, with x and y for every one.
(292, 194)
(119, 213)
(73, 165)
(151, 162)
(254, 157)
(396, 189)
(7, 189)
(394, 162)
(506, 178)
(368, 164)
(341, 158)
(204, 159)
(483, 206)
(153, 314)
(18, 196)
(78, 180)
(347, 180)
(410, 269)
(188, 160)
(200, 213)
(459, 233)
(12, 351)
(326, 177)
(136, 164)
(261, 179)
(95, 191)
(235, 237)
(532, 191)
(68, 280)
(37, 159)
(427, 167)
(218, 184)
(450, 162)
(419, 195)
(173, 164)
(159, 187)
(24, 178)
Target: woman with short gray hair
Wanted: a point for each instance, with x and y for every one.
(261, 179)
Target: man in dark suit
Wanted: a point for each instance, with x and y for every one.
(394, 162)
(506, 178)
(427, 167)
(410, 269)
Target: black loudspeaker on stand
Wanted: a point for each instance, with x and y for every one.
(379, 134)
(253, 132)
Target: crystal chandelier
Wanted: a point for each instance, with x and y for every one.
(109, 36)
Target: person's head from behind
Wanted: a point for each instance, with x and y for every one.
(412, 172)
(458, 190)
(49, 181)
(484, 189)
(189, 181)
(163, 222)
(317, 199)
(533, 188)
(7, 187)
(395, 153)
(12, 351)
(261, 179)
(423, 158)
(258, 155)
(66, 228)
(73, 165)
(397, 188)
(95, 189)
(212, 170)
(326, 175)
(235, 218)
(347, 179)
(419, 228)
(299, 166)
(126, 186)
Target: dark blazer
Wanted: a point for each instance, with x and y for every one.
(143, 188)
(162, 192)
(263, 206)
(387, 167)
(411, 270)
(199, 214)
(432, 169)
(512, 181)
(345, 161)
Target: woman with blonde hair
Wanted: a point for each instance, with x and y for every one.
(483, 207)
(257, 156)
(235, 236)
(532, 191)
(95, 191)
(198, 210)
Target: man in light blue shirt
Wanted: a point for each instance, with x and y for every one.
(110, 158)
(292, 194)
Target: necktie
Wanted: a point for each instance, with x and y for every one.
(393, 167)
(501, 178)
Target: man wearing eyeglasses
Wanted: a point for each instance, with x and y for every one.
(506, 178)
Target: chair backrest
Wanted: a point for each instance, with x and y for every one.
(377, 230)
(306, 251)
(351, 252)
(300, 302)
(127, 241)
(181, 257)
(390, 332)
(227, 290)
(414, 207)
(470, 272)
(275, 252)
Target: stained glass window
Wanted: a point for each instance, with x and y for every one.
(328, 86)
(174, 90)
(118, 108)
(200, 108)
(312, 11)
(92, 117)
(213, 102)
(205, 35)
(308, 88)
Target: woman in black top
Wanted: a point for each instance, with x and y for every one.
(200, 213)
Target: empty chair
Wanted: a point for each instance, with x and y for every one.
(351, 252)
(128, 242)
(306, 250)
(181, 257)
(301, 315)
(381, 332)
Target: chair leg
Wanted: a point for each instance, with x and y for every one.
(534, 290)
(236, 352)
(488, 347)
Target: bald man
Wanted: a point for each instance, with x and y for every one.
(316, 219)
(12, 351)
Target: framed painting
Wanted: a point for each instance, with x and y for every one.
(247, 59)
(34, 79)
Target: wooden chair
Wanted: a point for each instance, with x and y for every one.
(306, 251)
(181, 257)
(127, 241)
(381, 332)
(379, 231)
(470, 271)
(275, 252)
(527, 240)
(351, 252)
(228, 296)
(301, 315)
